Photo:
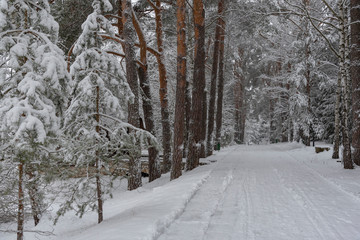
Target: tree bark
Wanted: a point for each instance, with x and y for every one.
(97, 162)
(203, 125)
(154, 163)
(239, 113)
(335, 154)
(163, 91)
(134, 179)
(348, 164)
(198, 87)
(180, 89)
(20, 217)
(33, 194)
(355, 76)
(220, 87)
(214, 72)
(307, 74)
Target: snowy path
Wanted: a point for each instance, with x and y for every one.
(272, 192)
(267, 194)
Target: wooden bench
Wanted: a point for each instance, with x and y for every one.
(321, 149)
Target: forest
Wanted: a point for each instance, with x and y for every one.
(100, 90)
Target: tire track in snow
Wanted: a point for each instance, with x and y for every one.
(334, 184)
(309, 207)
(166, 233)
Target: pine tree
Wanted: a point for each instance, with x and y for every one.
(198, 88)
(95, 131)
(180, 90)
(154, 162)
(221, 78)
(33, 87)
(214, 74)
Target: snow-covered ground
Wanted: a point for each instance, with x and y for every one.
(267, 192)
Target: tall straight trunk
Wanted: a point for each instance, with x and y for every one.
(214, 72)
(163, 91)
(348, 164)
(20, 217)
(97, 162)
(335, 154)
(134, 179)
(239, 114)
(187, 118)
(180, 89)
(307, 75)
(355, 77)
(220, 87)
(198, 87)
(203, 126)
(154, 163)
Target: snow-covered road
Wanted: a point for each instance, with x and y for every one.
(271, 192)
(264, 193)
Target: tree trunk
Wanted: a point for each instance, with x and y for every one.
(214, 72)
(198, 87)
(97, 162)
(203, 125)
(348, 164)
(335, 154)
(180, 90)
(307, 75)
(134, 180)
(220, 87)
(239, 114)
(187, 118)
(165, 119)
(154, 163)
(33, 194)
(20, 217)
(355, 76)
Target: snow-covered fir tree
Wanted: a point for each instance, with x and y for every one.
(32, 98)
(96, 136)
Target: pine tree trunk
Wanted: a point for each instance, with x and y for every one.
(134, 180)
(97, 162)
(355, 76)
(154, 163)
(180, 90)
(33, 194)
(163, 91)
(220, 87)
(20, 217)
(203, 125)
(214, 73)
(198, 87)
